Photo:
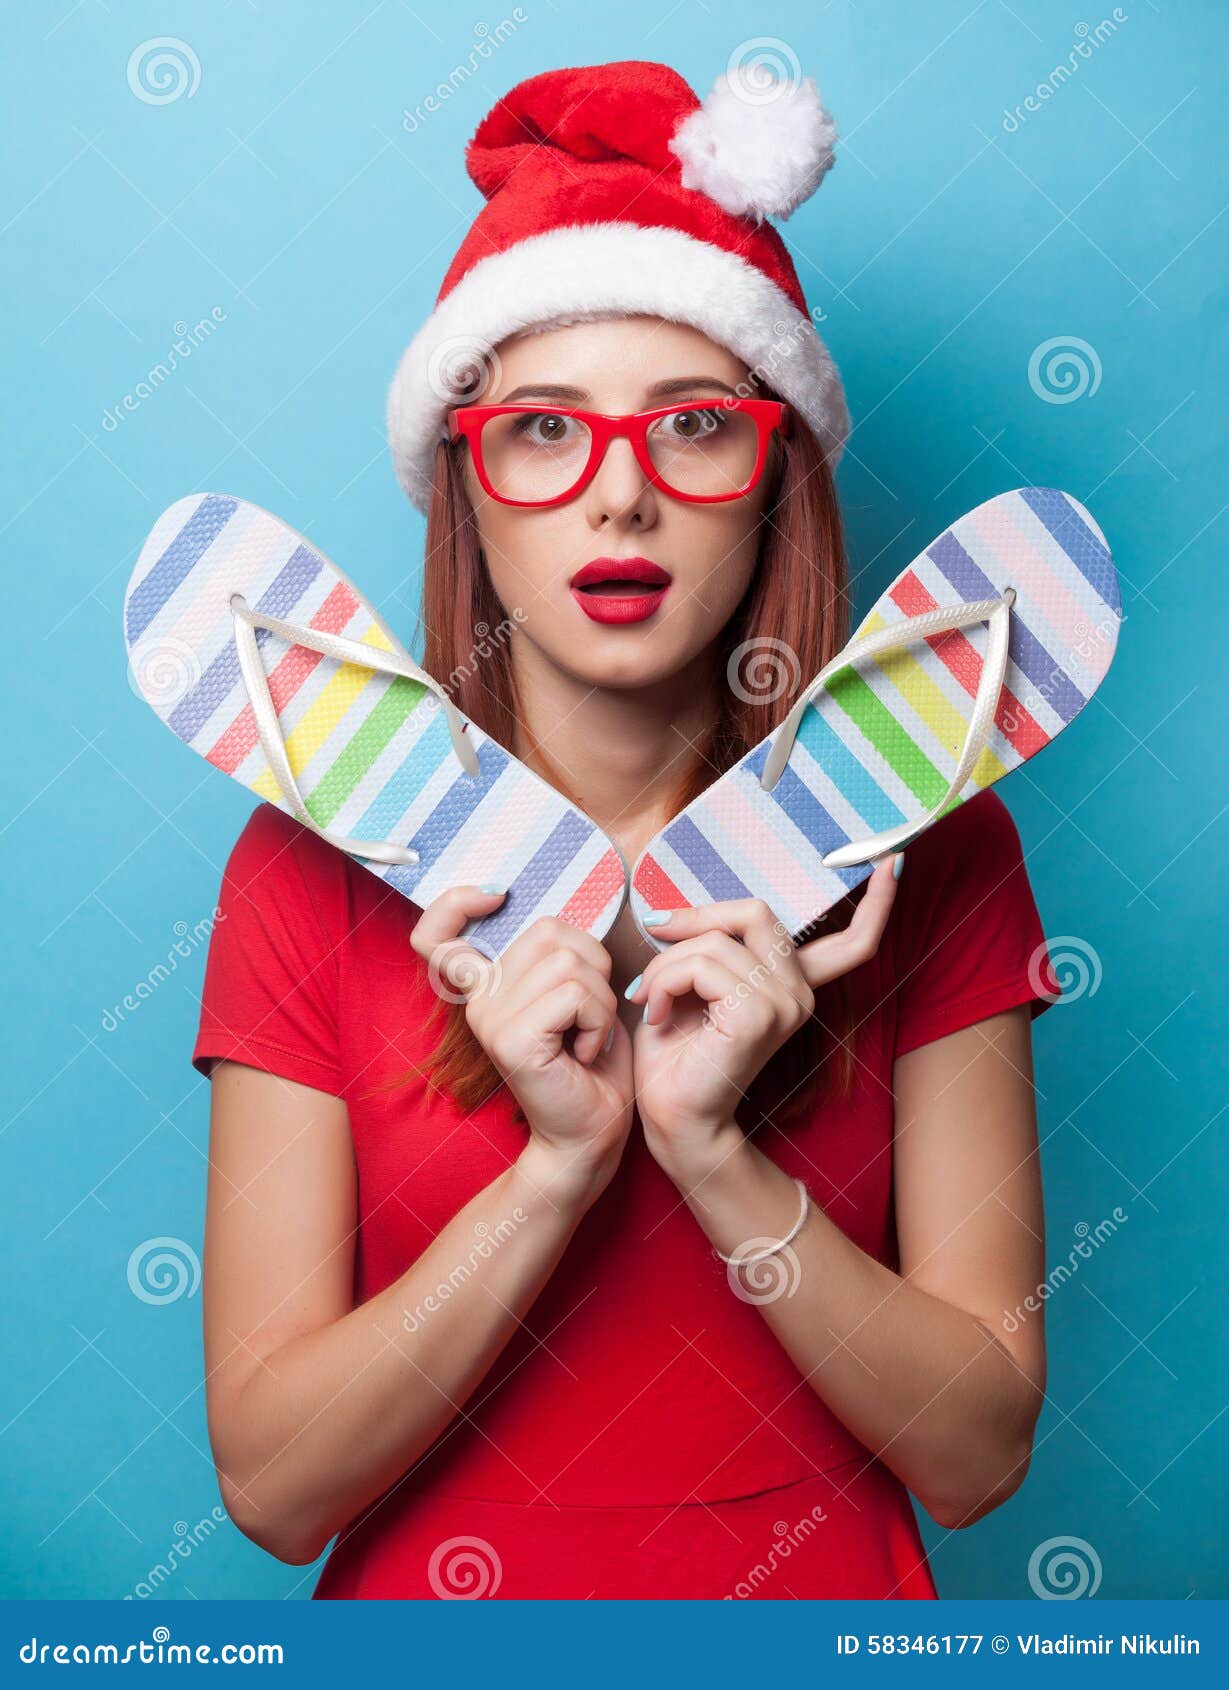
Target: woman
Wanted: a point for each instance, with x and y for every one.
(467, 1302)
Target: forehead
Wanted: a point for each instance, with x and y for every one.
(615, 361)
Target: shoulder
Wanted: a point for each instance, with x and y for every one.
(282, 876)
(964, 879)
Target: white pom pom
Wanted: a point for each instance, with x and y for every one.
(758, 148)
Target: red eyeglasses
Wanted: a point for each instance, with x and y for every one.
(703, 453)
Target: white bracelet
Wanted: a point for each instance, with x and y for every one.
(762, 1255)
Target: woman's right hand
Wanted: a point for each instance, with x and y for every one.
(547, 1016)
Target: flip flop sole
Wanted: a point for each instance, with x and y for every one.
(881, 745)
(371, 752)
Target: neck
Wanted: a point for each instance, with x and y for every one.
(619, 753)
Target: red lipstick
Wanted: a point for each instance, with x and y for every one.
(620, 589)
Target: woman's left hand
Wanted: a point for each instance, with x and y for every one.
(719, 1002)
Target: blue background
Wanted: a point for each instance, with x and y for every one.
(945, 248)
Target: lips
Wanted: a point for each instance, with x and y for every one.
(620, 589)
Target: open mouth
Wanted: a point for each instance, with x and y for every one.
(614, 577)
(620, 589)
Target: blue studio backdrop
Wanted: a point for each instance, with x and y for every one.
(1020, 259)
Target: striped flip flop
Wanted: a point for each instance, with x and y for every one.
(260, 654)
(983, 650)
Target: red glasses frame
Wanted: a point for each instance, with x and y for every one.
(467, 421)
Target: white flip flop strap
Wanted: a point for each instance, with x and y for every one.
(268, 727)
(996, 613)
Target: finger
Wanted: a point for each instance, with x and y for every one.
(435, 937)
(778, 974)
(548, 935)
(835, 954)
(443, 918)
(749, 919)
(561, 969)
(570, 1005)
(693, 972)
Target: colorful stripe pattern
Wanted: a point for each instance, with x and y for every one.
(371, 753)
(881, 745)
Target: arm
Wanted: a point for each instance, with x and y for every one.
(919, 1364)
(316, 1406)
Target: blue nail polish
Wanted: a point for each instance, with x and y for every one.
(609, 1039)
(630, 992)
(491, 889)
(644, 1013)
(898, 866)
(657, 918)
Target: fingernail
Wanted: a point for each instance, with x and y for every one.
(634, 987)
(609, 1039)
(644, 1014)
(898, 866)
(657, 918)
(491, 890)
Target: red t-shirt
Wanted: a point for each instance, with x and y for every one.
(638, 1380)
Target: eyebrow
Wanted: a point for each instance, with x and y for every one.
(577, 395)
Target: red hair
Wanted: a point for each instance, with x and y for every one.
(795, 604)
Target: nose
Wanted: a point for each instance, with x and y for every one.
(620, 495)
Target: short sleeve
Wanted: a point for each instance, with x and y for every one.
(271, 977)
(968, 939)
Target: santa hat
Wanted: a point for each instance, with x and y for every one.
(611, 191)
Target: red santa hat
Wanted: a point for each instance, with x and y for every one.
(612, 191)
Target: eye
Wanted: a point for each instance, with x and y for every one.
(543, 428)
(691, 425)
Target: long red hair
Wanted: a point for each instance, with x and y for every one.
(795, 612)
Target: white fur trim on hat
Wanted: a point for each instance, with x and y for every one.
(758, 151)
(602, 270)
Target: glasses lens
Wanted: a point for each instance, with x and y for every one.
(705, 451)
(534, 455)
